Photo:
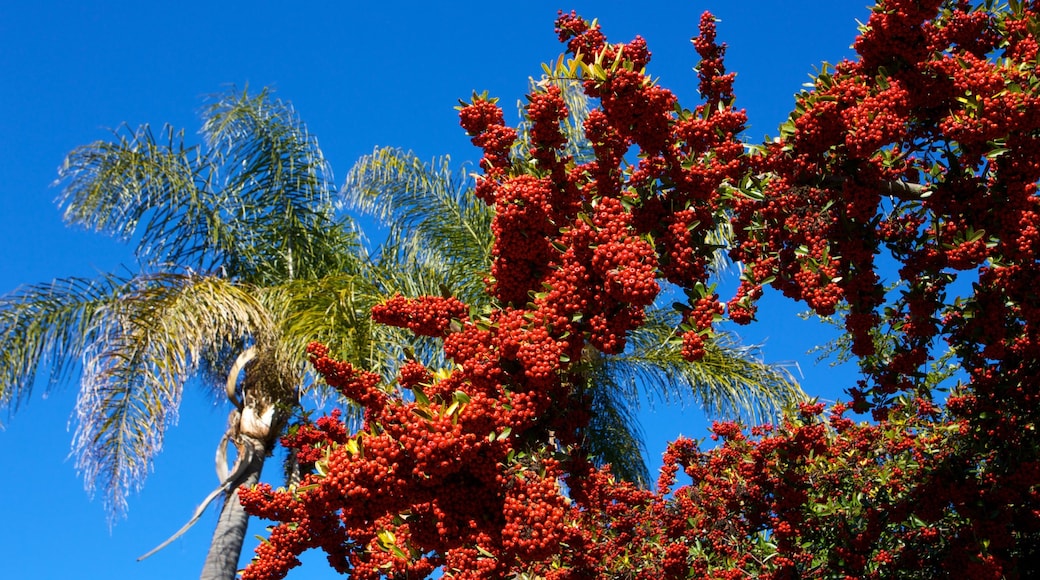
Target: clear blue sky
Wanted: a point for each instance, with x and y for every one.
(360, 75)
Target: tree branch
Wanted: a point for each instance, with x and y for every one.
(232, 379)
(899, 189)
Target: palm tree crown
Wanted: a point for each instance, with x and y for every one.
(241, 261)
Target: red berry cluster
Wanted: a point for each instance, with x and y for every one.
(413, 374)
(546, 111)
(699, 319)
(311, 440)
(534, 511)
(353, 383)
(522, 251)
(485, 122)
(425, 316)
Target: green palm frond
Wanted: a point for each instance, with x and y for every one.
(396, 272)
(432, 215)
(730, 381)
(276, 189)
(255, 203)
(419, 278)
(140, 184)
(47, 327)
(146, 344)
(614, 435)
(333, 310)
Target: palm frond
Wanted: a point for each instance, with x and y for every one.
(432, 214)
(730, 381)
(139, 184)
(256, 204)
(276, 190)
(614, 435)
(47, 326)
(398, 272)
(145, 346)
(335, 310)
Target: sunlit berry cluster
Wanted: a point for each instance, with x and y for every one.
(576, 241)
(425, 316)
(699, 320)
(353, 383)
(311, 440)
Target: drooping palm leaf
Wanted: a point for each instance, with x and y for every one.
(614, 435)
(333, 310)
(46, 327)
(146, 344)
(731, 380)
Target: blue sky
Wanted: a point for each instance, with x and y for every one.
(386, 73)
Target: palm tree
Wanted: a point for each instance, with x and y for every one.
(240, 262)
(434, 220)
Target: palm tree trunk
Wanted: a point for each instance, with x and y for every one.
(226, 547)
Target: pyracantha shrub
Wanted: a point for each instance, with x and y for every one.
(921, 149)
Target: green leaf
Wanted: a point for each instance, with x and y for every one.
(420, 397)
